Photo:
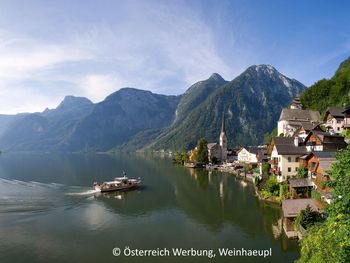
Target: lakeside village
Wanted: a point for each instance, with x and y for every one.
(292, 170)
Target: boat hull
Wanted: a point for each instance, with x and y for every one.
(112, 189)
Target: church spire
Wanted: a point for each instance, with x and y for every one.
(223, 130)
(223, 139)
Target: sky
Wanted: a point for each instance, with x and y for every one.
(50, 49)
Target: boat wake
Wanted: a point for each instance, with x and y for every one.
(88, 192)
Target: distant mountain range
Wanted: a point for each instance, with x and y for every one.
(136, 119)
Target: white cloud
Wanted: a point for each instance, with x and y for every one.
(96, 86)
(165, 48)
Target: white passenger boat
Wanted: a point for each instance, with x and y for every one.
(119, 184)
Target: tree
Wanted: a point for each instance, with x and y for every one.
(308, 218)
(181, 157)
(265, 168)
(302, 172)
(201, 155)
(272, 185)
(346, 134)
(330, 241)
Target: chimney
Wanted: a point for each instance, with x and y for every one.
(296, 141)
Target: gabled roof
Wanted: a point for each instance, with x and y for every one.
(292, 207)
(307, 126)
(285, 146)
(324, 154)
(303, 182)
(325, 158)
(299, 115)
(320, 155)
(327, 138)
(334, 111)
(250, 149)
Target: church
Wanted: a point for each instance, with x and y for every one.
(218, 152)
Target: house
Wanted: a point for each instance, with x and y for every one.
(346, 124)
(324, 141)
(214, 152)
(291, 118)
(334, 119)
(300, 188)
(219, 151)
(248, 154)
(305, 128)
(284, 156)
(318, 165)
(291, 209)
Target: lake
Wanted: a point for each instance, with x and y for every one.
(49, 212)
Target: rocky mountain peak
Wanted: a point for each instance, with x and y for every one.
(216, 77)
(72, 101)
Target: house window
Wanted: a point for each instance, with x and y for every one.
(296, 159)
(338, 121)
(289, 159)
(296, 169)
(289, 169)
(338, 128)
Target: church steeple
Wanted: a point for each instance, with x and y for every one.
(223, 139)
(223, 130)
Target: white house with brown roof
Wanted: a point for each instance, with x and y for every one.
(323, 141)
(248, 154)
(285, 153)
(334, 119)
(291, 119)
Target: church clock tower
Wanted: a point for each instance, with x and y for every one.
(223, 140)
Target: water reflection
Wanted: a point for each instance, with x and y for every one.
(175, 206)
(214, 199)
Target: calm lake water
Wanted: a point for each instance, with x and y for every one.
(49, 213)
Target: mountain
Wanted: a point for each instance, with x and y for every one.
(6, 120)
(47, 130)
(327, 92)
(196, 94)
(128, 114)
(251, 103)
(137, 119)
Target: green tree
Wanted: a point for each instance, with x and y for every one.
(265, 169)
(301, 173)
(202, 151)
(346, 134)
(181, 157)
(330, 241)
(283, 191)
(308, 218)
(334, 91)
(272, 186)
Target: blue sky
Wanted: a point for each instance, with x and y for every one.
(49, 49)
